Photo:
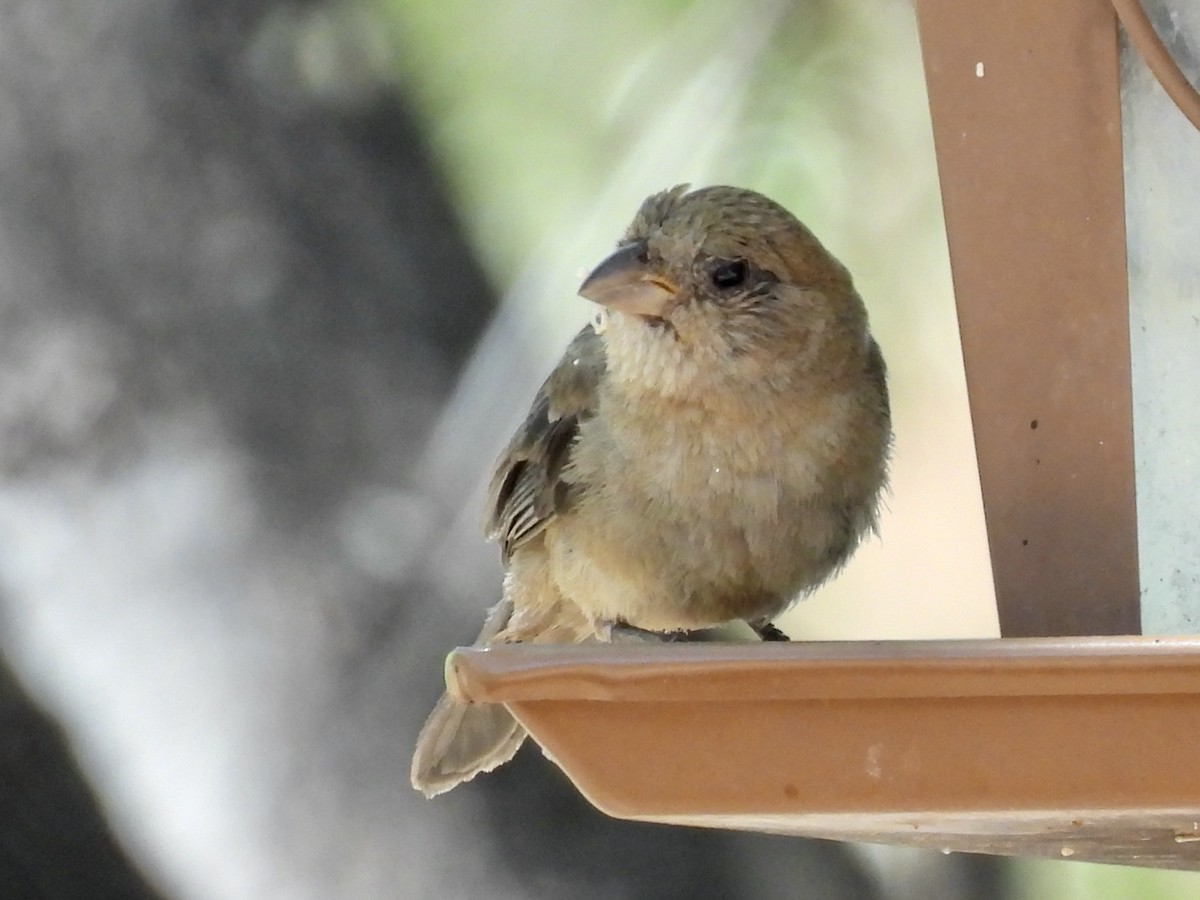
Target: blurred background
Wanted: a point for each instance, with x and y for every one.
(277, 278)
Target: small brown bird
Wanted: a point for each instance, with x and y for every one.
(711, 449)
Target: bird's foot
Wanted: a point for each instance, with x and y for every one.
(767, 631)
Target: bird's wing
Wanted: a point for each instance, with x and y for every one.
(528, 488)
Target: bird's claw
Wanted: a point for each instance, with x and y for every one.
(768, 631)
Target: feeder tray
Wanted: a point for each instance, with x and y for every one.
(1082, 748)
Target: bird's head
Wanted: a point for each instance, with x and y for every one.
(721, 262)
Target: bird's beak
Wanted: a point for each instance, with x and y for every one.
(625, 282)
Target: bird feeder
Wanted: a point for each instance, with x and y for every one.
(1074, 734)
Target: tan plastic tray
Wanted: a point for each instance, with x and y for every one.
(1086, 748)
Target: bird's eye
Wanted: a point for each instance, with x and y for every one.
(730, 273)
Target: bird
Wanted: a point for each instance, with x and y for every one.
(711, 448)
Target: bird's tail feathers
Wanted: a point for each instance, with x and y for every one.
(459, 740)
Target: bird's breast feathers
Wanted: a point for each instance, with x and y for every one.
(681, 515)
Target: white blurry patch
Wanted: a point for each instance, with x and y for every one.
(138, 658)
(382, 529)
(58, 381)
(335, 52)
(875, 761)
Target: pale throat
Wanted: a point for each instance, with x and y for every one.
(649, 363)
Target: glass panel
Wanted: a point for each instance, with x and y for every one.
(1162, 188)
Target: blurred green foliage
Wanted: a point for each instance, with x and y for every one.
(1053, 880)
(542, 110)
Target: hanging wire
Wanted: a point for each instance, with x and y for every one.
(1147, 42)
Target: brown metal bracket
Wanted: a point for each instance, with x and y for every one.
(1027, 128)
